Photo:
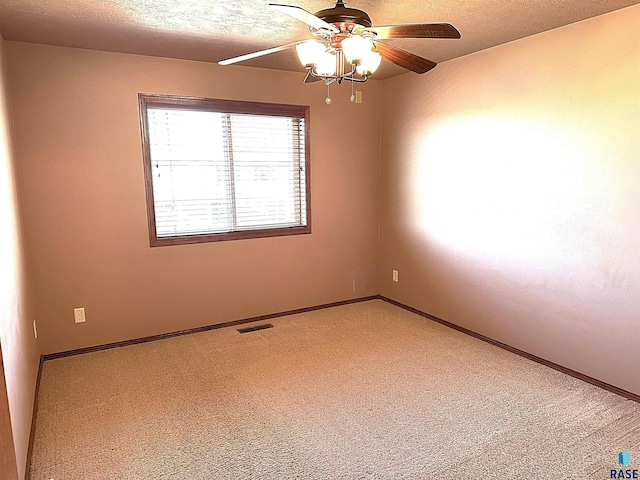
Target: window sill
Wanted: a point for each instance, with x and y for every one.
(228, 236)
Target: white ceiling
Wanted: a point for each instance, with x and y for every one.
(211, 30)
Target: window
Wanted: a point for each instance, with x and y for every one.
(224, 170)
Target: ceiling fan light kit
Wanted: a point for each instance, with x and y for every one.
(328, 62)
(347, 47)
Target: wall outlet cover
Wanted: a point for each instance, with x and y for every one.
(78, 315)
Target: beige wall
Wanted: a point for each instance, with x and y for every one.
(19, 350)
(78, 140)
(7, 450)
(510, 194)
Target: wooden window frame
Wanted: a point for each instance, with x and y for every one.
(222, 106)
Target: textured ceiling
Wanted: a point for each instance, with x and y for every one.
(211, 30)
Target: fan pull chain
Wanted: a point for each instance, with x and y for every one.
(328, 99)
(352, 98)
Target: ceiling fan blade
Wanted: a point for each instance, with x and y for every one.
(305, 17)
(404, 59)
(418, 30)
(259, 53)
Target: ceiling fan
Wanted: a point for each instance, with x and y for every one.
(347, 47)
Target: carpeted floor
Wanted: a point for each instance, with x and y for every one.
(361, 391)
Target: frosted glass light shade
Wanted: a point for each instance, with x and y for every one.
(326, 64)
(310, 52)
(369, 63)
(356, 48)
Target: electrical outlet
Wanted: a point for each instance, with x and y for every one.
(395, 275)
(35, 329)
(78, 315)
(358, 96)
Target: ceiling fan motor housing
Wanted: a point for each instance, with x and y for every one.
(344, 18)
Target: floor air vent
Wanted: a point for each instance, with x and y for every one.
(253, 329)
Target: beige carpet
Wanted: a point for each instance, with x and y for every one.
(361, 391)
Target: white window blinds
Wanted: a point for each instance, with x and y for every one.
(216, 172)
